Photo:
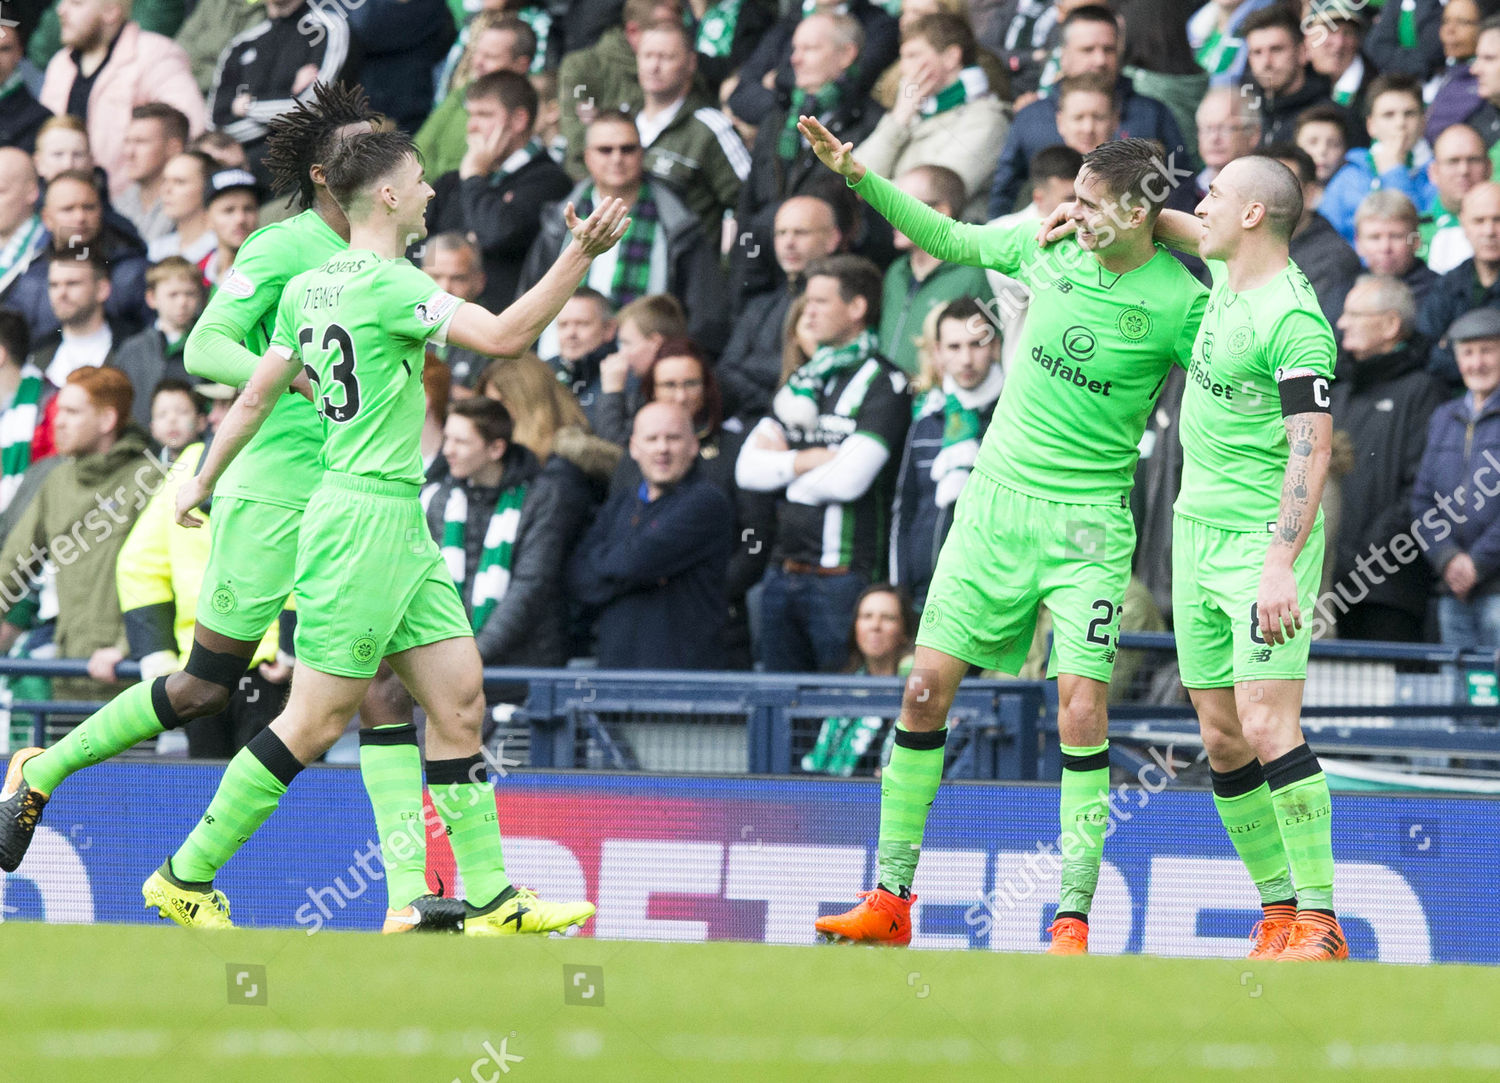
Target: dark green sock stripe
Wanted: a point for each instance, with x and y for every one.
(390, 765)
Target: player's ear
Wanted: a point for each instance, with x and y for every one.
(1253, 214)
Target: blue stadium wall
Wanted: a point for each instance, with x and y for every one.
(758, 859)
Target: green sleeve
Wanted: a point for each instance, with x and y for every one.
(1183, 351)
(994, 248)
(285, 335)
(411, 306)
(1302, 340)
(241, 309)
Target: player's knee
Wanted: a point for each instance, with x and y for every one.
(1264, 729)
(193, 697)
(1083, 716)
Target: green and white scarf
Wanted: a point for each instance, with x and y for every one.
(962, 432)
(17, 426)
(492, 577)
(533, 150)
(1406, 25)
(20, 250)
(843, 742)
(540, 21)
(633, 260)
(819, 105)
(971, 85)
(716, 28)
(796, 404)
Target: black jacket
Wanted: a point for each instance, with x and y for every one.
(1383, 44)
(126, 307)
(1448, 298)
(1384, 404)
(772, 180)
(1278, 114)
(147, 360)
(528, 626)
(655, 572)
(1419, 280)
(749, 370)
(20, 116)
(503, 218)
(1331, 266)
(401, 42)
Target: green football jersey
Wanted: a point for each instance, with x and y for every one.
(1233, 436)
(1092, 359)
(360, 324)
(280, 466)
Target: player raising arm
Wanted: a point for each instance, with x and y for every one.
(370, 581)
(1044, 517)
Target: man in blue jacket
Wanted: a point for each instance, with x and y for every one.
(654, 563)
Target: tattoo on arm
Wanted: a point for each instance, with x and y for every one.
(1302, 486)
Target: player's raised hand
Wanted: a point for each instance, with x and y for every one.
(190, 494)
(1278, 614)
(600, 231)
(1057, 225)
(837, 156)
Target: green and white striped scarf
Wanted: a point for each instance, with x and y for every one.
(540, 21)
(533, 150)
(962, 432)
(19, 251)
(716, 28)
(17, 425)
(796, 404)
(971, 85)
(821, 105)
(492, 577)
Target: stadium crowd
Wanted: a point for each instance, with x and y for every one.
(764, 402)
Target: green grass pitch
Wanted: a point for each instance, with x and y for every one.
(124, 1003)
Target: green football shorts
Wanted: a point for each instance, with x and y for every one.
(252, 561)
(370, 579)
(1006, 554)
(1215, 584)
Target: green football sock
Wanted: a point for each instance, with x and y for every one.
(1299, 793)
(248, 793)
(468, 812)
(122, 723)
(391, 767)
(1083, 815)
(907, 787)
(1244, 803)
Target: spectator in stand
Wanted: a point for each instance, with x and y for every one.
(400, 44)
(750, 369)
(604, 78)
(208, 28)
(1329, 262)
(691, 145)
(640, 329)
(23, 237)
(771, 74)
(1463, 438)
(1383, 398)
(184, 191)
(234, 199)
(221, 148)
(109, 66)
(1090, 45)
(961, 368)
(726, 32)
(78, 287)
(506, 525)
(1282, 81)
(101, 476)
(1386, 238)
(585, 337)
(1052, 174)
(72, 211)
(826, 449)
(881, 644)
(887, 88)
(1395, 160)
(1335, 32)
(1322, 133)
(1473, 284)
(1216, 32)
(1228, 128)
(664, 251)
(945, 114)
(454, 264)
(21, 387)
(546, 130)
(1408, 37)
(496, 43)
(156, 133)
(265, 71)
(501, 187)
(918, 282)
(20, 113)
(174, 291)
(62, 144)
(1486, 68)
(1459, 163)
(1157, 59)
(653, 565)
(1452, 94)
(1088, 112)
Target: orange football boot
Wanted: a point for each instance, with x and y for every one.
(1270, 933)
(1069, 937)
(1314, 937)
(880, 918)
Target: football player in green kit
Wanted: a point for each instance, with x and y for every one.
(1044, 518)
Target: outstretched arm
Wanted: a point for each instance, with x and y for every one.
(1310, 436)
(510, 333)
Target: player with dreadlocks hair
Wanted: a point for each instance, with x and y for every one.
(257, 513)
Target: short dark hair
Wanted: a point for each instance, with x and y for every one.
(1273, 17)
(511, 90)
(1091, 13)
(605, 306)
(1323, 113)
(942, 31)
(174, 124)
(172, 383)
(490, 418)
(1093, 83)
(1279, 189)
(1491, 22)
(857, 277)
(304, 135)
(88, 255)
(15, 335)
(1124, 166)
(947, 186)
(963, 309)
(1393, 82)
(1060, 161)
(525, 44)
(1306, 169)
(362, 159)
